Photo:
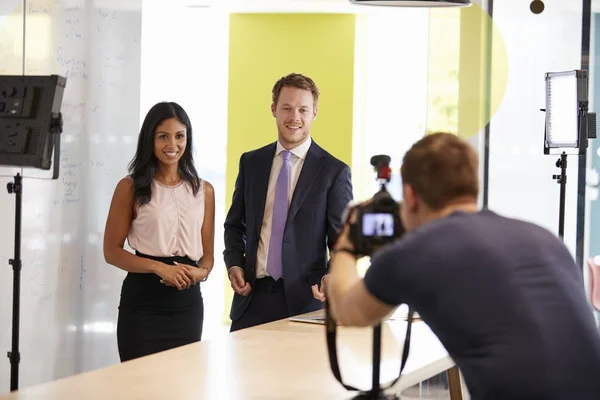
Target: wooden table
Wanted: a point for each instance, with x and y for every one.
(280, 360)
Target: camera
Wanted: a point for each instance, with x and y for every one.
(378, 219)
(377, 224)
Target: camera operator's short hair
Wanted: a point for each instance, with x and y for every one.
(298, 81)
(441, 168)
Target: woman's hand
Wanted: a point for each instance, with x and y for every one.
(175, 276)
(196, 274)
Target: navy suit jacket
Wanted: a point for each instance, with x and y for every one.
(321, 194)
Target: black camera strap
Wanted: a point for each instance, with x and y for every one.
(331, 328)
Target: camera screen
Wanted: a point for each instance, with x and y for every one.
(378, 224)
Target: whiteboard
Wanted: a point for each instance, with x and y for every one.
(69, 295)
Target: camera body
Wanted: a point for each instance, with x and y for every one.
(377, 220)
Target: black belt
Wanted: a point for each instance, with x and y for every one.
(169, 260)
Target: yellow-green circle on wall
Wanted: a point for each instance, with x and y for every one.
(467, 85)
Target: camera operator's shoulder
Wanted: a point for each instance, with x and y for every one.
(410, 246)
(527, 229)
(427, 235)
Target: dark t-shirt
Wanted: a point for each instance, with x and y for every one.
(506, 300)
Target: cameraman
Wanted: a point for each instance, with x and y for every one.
(504, 296)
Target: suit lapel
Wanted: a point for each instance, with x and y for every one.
(262, 171)
(313, 165)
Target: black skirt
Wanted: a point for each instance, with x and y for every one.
(154, 317)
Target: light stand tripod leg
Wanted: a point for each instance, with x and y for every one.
(562, 180)
(16, 187)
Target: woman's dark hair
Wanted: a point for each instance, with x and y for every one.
(143, 166)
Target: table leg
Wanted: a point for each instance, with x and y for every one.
(454, 384)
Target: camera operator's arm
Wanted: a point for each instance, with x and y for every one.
(351, 303)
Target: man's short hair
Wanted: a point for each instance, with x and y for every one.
(298, 81)
(441, 168)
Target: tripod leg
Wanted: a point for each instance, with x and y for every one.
(563, 191)
(14, 355)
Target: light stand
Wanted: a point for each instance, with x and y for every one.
(31, 124)
(568, 125)
(16, 187)
(562, 181)
(14, 355)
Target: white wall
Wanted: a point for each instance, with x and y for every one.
(521, 183)
(69, 295)
(185, 60)
(390, 98)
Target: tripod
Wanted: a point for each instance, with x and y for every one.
(30, 128)
(562, 181)
(16, 187)
(376, 393)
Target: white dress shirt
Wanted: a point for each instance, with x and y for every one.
(296, 163)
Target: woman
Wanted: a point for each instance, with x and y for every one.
(167, 213)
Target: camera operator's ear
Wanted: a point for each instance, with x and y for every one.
(409, 198)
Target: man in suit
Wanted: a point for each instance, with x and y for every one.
(286, 210)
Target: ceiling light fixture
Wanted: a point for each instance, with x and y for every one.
(413, 3)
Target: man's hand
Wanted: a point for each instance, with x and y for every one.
(319, 293)
(238, 283)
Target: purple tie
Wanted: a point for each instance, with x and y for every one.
(280, 210)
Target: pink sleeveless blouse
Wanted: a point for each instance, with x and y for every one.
(171, 223)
